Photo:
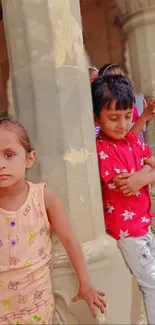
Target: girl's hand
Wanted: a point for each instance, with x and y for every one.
(92, 297)
(60, 225)
(149, 109)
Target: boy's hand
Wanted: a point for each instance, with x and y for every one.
(149, 109)
(130, 184)
(92, 297)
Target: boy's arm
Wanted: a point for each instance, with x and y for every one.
(129, 184)
(150, 177)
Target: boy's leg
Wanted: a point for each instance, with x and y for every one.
(138, 254)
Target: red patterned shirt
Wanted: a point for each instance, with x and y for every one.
(124, 216)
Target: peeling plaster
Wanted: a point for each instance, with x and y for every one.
(77, 156)
(67, 33)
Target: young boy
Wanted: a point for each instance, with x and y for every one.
(126, 205)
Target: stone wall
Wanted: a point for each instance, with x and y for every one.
(103, 36)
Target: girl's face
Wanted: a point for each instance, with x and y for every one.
(93, 74)
(14, 160)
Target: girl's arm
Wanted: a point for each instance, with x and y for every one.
(148, 113)
(62, 228)
(138, 126)
(150, 179)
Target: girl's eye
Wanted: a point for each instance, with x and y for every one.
(128, 117)
(9, 155)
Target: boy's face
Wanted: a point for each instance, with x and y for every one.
(115, 124)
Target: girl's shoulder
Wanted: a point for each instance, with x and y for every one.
(38, 199)
(36, 187)
(36, 193)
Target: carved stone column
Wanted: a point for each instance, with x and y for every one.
(52, 99)
(11, 110)
(138, 20)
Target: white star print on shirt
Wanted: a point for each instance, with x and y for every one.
(139, 142)
(127, 215)
(143, 146)
(145, 158)
(138, 193)
(144, 219)
(109, 208)
(142, 161)
(112, 186)
(106, 173)
(132, 170)
(103, 155)
(117, 170)
(123, 234)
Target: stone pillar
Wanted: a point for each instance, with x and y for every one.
(137, 18)
(52, 99)
(138, 21)
(11, 110)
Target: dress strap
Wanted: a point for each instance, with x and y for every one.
(39, 201)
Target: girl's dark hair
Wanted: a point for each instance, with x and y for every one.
(111, 68)
(16, 127)
(107, 89)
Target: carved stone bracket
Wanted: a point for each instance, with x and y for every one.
(127, 8)
(63, 314)
(95, 250)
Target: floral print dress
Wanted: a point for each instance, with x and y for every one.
(25, 258)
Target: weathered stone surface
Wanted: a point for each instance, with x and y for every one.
(52, 99)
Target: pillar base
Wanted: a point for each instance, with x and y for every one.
(108, 273)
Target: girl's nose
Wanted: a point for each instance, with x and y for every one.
(2, 165)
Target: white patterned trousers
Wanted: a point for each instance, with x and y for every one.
(139, 255)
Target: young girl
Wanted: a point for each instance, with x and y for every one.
(126, 208)
(28, 211)
(138, 122)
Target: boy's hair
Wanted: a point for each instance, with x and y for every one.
(111, 68)
(14, 126)
(107, 89)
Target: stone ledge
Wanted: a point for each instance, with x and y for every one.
(95, 250)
